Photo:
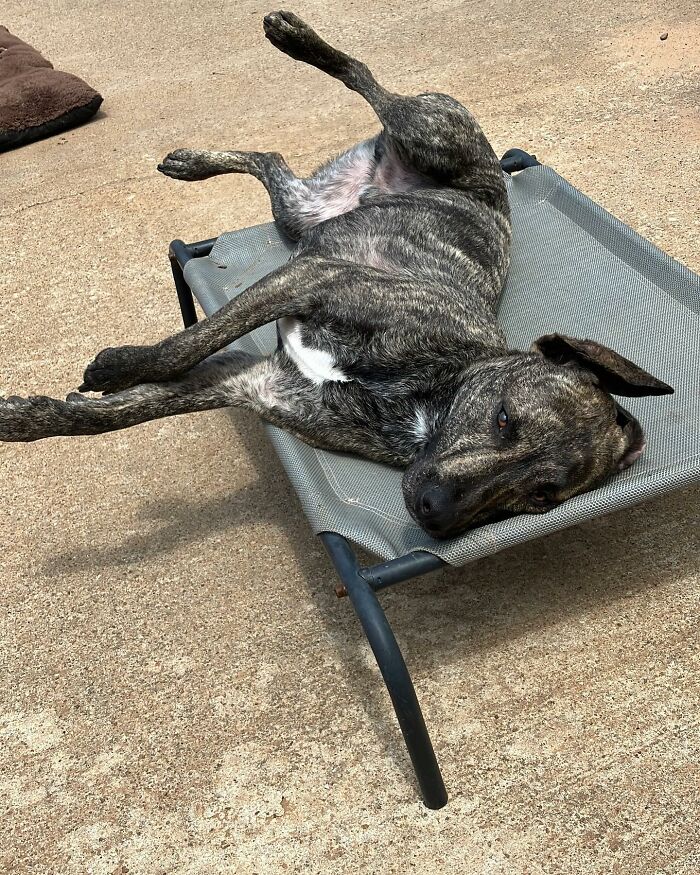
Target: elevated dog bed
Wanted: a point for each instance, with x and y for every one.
(35, 100)
(575, 269)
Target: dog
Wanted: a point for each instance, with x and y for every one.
(389, 342)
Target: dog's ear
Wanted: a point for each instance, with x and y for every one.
(614, 372)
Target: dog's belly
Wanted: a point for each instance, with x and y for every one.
(435, 234)
(316, 365)
(369, 168)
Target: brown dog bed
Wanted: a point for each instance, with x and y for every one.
(35, 100)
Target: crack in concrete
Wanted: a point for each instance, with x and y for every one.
(72, 195)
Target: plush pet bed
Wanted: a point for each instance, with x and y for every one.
(35, 100)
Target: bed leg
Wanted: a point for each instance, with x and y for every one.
(393, 669)
(179, 252)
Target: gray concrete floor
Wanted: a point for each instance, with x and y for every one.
(182, 691)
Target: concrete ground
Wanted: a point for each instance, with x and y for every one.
(182, 691)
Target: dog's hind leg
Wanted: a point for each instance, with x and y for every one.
(190, 165)
(430, 133)
(288, 33)
(297, 204)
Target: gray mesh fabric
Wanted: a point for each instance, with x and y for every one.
(575, 269)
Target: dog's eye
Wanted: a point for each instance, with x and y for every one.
(543, 494)
(502, 418)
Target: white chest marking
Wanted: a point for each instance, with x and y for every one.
(316, 365)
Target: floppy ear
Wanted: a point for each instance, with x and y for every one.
(615, 374)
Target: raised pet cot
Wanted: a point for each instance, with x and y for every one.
(574, 269)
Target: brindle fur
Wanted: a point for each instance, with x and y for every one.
(403, 248)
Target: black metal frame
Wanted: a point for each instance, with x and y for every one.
(362, 583)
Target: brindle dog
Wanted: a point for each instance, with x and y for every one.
(390, 347)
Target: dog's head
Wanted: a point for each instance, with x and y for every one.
(525, 432)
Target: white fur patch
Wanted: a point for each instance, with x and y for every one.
(316, 365)
(261, 385)
(336, 188)
(419, 426)
(423, 424)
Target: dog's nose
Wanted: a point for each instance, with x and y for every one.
(443, 510)
(434, 504)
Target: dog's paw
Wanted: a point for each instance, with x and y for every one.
(189, 165)
(288, 33)
(116, 368)
(77, 398)
(25, 419)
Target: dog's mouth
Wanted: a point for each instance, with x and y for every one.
(461, 523)
(447, 509)
(479, 519)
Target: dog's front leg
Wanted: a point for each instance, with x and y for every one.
(271, 387)
(288, 291)
(205, 387)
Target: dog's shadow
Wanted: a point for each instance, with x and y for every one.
(443, 616)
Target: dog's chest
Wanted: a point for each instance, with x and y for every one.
(316, 365)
